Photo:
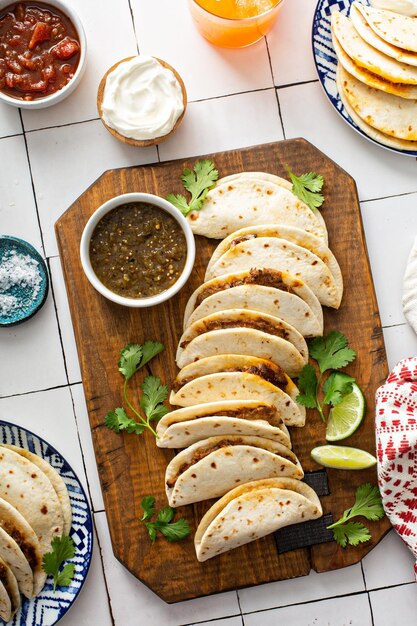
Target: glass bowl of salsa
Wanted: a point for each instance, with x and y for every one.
(137, 250)
(42, 52)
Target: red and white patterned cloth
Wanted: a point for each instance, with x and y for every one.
(396, 441)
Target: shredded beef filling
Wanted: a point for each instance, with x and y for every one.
(263, 277)
(203, 452)
(257, 323)
(27, 549)
(275, 377)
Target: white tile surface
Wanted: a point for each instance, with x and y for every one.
(400, 343)
(347, 611)
(34, 352)
(303, 589)
(387, 222)
(207, 71)
(203, 129)
(85, 612)
(9, 121)
(100, 31)
(395, 606)
(306, 112)
(50, 415)
(17, 204)
(390, 550)
(84, 432)
(130, 598)
(80, 154)
(65, 322)
(289, 43)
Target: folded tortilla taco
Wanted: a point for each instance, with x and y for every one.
(245, 201)
(16, 527)
(211, 467)
(185, 426)
(242, 386)
(9, 592)
(279, 254)
(263, 290)
(55, 479)
(12, 555)
(289, 233)
(396, 29)
(246, 326)
(254, 510)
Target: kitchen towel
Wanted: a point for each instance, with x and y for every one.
(396, 441)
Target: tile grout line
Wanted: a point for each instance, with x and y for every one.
(13, 135)
(27, 393)
(32, 183)
(370, 608)
(276, 90)
(302, 82)
(36, 130)
(97, 538)
(134, 25)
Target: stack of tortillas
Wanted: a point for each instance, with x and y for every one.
(377, 72)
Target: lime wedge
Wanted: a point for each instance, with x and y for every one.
(342, 457)
(346, 417)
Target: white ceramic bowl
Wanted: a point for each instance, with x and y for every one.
(47, 101)
(161, 204)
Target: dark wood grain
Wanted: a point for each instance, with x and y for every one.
(131, 467)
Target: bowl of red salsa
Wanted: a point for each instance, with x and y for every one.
(42, 52)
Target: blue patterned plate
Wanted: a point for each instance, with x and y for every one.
(48, 607)
(326, 62)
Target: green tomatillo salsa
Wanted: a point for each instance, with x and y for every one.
(138, 250)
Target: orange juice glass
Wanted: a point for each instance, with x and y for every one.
(234, 23)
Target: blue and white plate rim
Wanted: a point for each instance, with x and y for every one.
(50, 607)
(323, 51)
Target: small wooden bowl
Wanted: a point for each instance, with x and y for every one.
(140, 143)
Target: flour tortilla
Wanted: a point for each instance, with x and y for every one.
(13, 556)
(234, 318)
(9, 583)
(357, 15)
(242, 386)
(389, 114)
(254, 510)
(256, 411)
(15, 525)
(29, 490)
(403, 91)
(5, 604)
(55, 479)
(290, 233)
(245, 202)
(241, 459)
(368, 57)
(386, 140)
(398, 30)
(264, 290)
(282, 255)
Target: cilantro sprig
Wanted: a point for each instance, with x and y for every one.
(308, 187)
(63, 548)
(173, 531)
(331, 353)
(132, 358)
(367, 504)
(197, 181)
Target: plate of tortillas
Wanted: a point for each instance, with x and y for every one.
(41, 499)
(366, 59)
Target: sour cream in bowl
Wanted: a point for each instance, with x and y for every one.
(141, 100)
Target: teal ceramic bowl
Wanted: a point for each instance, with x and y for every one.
(24, 281)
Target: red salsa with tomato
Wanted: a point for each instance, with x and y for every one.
(39, 50)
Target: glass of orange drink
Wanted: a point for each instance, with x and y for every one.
(234, 23)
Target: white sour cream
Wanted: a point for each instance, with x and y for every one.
(142, 99)
(405, 7)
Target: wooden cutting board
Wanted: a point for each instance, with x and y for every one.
(132, 467)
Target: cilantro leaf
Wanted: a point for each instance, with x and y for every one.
(150, 349)
(130, 358)
(117, 420)
(153, 395)
(63, 548)
(152, 530)
(332, 351)
(336, 387)
(197, 181)
(368, 503)
(307, 384)
(307, 187)
(177, 530)
(166, 515)
(148, 506)
(351, 533)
